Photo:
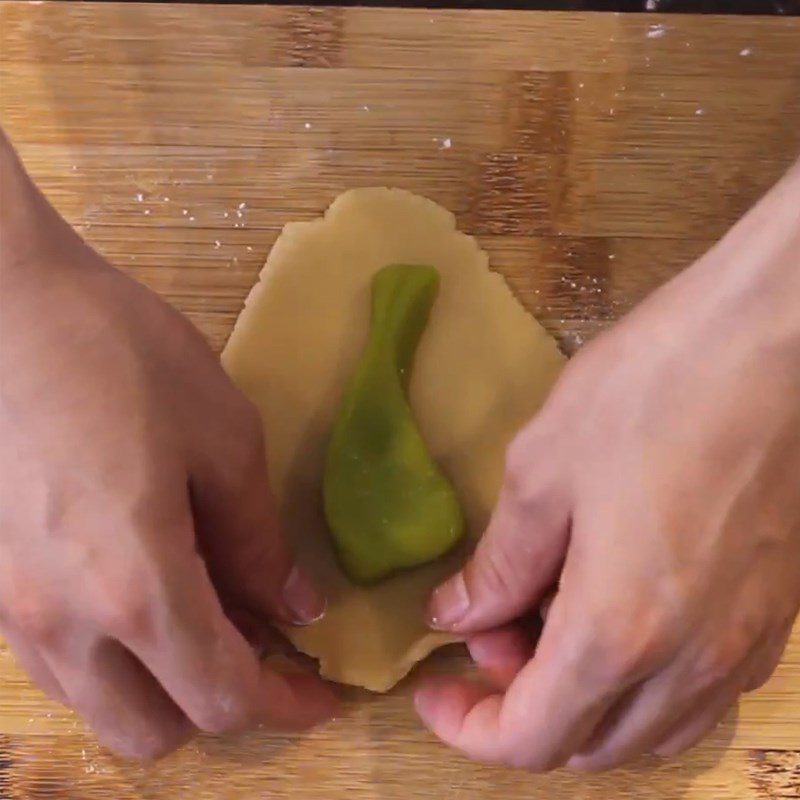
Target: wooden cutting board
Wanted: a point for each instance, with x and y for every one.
(593, 155)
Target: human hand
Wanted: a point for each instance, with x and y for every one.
(659, 488)
(135, 508)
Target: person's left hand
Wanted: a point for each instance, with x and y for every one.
(140, 547)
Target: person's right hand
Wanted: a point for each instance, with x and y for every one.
(658, 493)
(135, 508)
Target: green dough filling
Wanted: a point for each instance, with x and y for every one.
(388, 505)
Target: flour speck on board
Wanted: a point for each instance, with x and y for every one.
(656, 31)
(698, 112)
(746, 51)
(139, 197)
(217, 244)
(444, 144)
(307, 126)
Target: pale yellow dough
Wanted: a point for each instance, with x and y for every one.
(483, 368)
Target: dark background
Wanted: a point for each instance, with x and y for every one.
(788, 7)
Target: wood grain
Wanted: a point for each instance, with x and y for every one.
(594, 155)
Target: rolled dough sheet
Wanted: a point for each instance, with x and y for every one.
(483, 368)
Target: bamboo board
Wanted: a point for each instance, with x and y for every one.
(594, 155)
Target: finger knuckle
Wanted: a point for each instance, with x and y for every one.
(38, 618)
(525, 476)
(766, 666)
(602, 762)
(494, 572)
(624, 659)
(126, 591)
(229, 714)
(537, 762)
(147, 747)
(673, 750)
(758, 679)
(625, 649)
(127, 615)
(719, 659)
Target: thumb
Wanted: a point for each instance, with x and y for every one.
(514, 565)
(239, 534)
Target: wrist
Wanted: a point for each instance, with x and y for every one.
(36, 243)
(752, 276)
(15, 187)
(17, 204)
(762, 251)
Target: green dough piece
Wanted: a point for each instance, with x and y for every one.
(388, 505)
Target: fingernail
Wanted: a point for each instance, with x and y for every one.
(449, 603)
(302, 599)
(544, 608)
(425, 703)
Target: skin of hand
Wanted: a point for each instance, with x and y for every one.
(658, 494)
(135, 521)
